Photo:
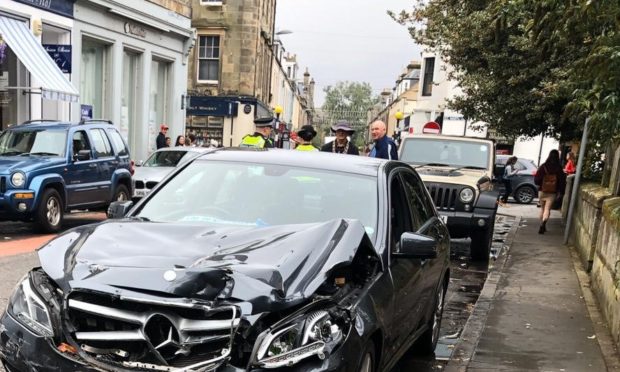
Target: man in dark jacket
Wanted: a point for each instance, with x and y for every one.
(161, 137)
(341, 144)
(385, 147)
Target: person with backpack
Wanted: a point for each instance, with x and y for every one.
(551, 181)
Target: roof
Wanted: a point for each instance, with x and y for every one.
(317, 160)
(59, 124)
(445, 137)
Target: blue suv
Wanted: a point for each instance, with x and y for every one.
(48, 168)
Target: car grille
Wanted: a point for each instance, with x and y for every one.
(444, 196)
(149, 184)
(143, 334)
(2, 185)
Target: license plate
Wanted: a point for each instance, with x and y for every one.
(140, 193)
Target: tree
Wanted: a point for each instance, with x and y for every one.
(528, 67)
(348, 101)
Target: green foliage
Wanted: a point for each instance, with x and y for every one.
(528, 67)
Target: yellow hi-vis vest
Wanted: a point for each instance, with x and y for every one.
(306, 148)
(253, 141)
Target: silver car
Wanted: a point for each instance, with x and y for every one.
(158, 165)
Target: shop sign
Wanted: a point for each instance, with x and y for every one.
(135, 30)
(61, 54)
(211, 106)
(86, 111)
(62, 7)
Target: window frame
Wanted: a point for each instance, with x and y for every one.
(218, 59)
(104, 136)
(394, 246)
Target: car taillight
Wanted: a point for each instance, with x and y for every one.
(132, 167)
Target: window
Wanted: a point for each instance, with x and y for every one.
(101, 143)
(128, 98)
(421, 209)
(93, 76)
(158, 97)
(429, 68)
(119, 146)
(400, 216)
(211, 2)
(80, 142)
(209, 58)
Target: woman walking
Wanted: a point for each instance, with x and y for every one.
(509, 172)
(551, 181)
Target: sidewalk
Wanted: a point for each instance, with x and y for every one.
(532, 314)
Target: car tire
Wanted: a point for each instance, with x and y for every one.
(481, 243)
(121, 193)
(49, 215)
(368, 362)
(524, 194)
(425, 345)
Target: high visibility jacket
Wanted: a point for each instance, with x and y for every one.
(306, 148)
(256, 140)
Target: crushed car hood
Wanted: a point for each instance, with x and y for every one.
(269, 267)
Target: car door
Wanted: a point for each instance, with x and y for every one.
(426, 223)
(81, 176)
(406, 273)
(106, 163)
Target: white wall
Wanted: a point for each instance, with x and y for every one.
(530, 148)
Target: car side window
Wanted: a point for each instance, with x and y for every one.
(80, 142)
(520, 166)
(119, 145)
(416, 196)
(400, 215)
(101, 143)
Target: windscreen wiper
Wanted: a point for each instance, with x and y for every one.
(44, 153)
(467, 167)
(10, 153)
(432, 165)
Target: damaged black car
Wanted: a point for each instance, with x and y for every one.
(242, 260)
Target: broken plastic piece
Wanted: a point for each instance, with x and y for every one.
(66, 348)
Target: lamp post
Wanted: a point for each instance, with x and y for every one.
(399, 116)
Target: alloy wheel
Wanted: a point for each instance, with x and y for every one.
(525, 195)
(53, 211)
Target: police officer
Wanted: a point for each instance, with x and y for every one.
(306, 134)
(260, 139)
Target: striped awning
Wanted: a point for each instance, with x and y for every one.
(53, 84)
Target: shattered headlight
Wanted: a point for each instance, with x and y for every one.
(311, 335)
(28, 308)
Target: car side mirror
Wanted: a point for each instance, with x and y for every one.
(484, 184)
(414, 245)
(119, 209)
(82, 155)
(140, 163)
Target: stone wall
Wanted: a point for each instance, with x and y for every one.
(605, 273)
(587, 220)
(182, 7)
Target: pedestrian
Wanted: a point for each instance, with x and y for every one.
(180, 141)
(341, 145)
(551, 181)
(160, 141)
(509, 172)
(569, 168)
(191, 140)
(384, 147)
(261, 137)
(168, 142)
(213, 144)
(306, 134)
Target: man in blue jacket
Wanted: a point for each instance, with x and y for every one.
(385, 147)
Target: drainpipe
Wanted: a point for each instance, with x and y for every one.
(575, 192)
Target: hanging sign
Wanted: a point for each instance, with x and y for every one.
(61, 55)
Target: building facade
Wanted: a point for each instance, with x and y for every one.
(132, 63)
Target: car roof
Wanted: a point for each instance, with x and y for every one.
(57, 124)
(308, 159)
(443, 136)
(184, 148)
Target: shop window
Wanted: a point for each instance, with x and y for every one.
(429, 68)
(14, 106)
(158, 98)
(128, 127)
(93, 76)
(209, 59)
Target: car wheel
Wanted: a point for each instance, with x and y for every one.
(368, 362)
(524, 195)
(481, 243)
(121, 194)
(426, 344)
(49, 215)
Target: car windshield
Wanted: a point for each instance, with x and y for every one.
(246, 194)
(445, 152)
(166, 158)
(39, 142)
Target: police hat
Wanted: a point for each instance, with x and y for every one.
(266, 121)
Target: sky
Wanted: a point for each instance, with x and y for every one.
(352, 40)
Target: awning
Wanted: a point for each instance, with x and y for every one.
(54, 85)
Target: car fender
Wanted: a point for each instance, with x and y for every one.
(488, 200)
(119, 176)
(40, 182)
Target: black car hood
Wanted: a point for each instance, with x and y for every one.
(268, 267)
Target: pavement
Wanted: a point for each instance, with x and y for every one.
(536, 311)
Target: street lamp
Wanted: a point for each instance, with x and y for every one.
(399, 116)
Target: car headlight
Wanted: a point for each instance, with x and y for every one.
(28, 308)
(466, 195)
(18, 179)
(311, 335)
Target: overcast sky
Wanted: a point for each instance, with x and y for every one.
(351, 40)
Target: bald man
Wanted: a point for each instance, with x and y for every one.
(385, 147)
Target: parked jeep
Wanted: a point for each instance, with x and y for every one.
(48, 168)
(458, 173)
